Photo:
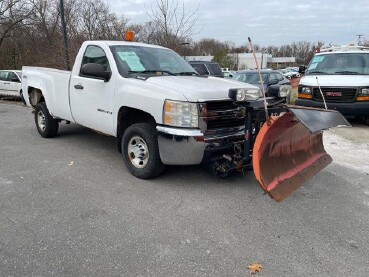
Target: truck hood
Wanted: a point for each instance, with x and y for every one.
(336, 80)
(198, 88)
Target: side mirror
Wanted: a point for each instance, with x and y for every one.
(95, 70)
(302, 69)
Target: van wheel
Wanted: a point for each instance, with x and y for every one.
(140, 151)
(46, 125)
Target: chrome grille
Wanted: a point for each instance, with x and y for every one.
(222, 115)
(347, 94)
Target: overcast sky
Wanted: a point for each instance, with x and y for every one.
(268, 22)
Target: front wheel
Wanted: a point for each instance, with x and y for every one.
(140, 151)
(46, 125)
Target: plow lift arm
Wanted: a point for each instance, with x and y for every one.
(286, 147)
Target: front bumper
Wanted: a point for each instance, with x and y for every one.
(354, 108)
(189, 146)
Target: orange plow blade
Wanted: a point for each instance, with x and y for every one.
(289, 150)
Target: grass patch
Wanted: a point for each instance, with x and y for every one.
(293, 96)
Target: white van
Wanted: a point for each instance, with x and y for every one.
(341, 75)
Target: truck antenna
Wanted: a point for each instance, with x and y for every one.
(261, 82)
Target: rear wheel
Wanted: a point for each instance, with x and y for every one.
(22, 98)
(46, 125)
(140, 151)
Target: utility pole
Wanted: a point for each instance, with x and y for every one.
(262, 57)
(184, 44)
(359, 39)
(65, 38)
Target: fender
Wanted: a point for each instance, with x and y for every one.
(138, 94)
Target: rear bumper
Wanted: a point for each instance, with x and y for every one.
(9, 93)
(354, 108)
(189, 147)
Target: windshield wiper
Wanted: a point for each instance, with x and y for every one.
(153, 71)
(317, 72)
(347, 72)
(188, 73)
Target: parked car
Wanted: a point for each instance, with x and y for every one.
(289, 73)
(293, 68)
(286, 73)
(10, 83)
(228, 73)
(207, 68)
(273, 81)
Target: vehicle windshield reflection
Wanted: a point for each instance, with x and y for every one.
(340, 63)
(251, 78)
(134, 60)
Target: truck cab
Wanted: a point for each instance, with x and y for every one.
(338, 77)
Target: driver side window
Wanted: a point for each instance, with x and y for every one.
(279, 77)
(12, 77)
(95, 54)
(273, 78)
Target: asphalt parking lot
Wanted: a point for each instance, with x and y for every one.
(69, 207)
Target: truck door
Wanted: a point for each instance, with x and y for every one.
(91, 99)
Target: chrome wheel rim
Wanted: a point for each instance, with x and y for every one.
(41, 121)
(138, 153)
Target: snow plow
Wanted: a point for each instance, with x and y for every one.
(283, 146)
(289, 149)
(283, 143)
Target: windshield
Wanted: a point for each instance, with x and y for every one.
(133, 60)
(250, 77)
(340, 63)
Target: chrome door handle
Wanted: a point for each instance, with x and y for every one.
(79, 86)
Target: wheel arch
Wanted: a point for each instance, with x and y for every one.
(35, 96)
(128, 116)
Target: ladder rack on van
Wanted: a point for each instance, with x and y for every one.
(349, 47)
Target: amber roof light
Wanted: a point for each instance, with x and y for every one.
(128, 36)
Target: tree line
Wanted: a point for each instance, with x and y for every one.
(31, 34)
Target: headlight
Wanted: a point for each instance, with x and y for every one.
(284, 91)
(364, 91)
(244, 94)
(180, 114)
(306, 90)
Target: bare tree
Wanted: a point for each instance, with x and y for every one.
(170, 23)
(45, 17)
(12, 13)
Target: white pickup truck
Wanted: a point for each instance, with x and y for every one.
(148, 97)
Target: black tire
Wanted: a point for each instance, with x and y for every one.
(46, 125)
(140, 151)
(22, 98)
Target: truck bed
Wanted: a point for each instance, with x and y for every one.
(55, 82)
